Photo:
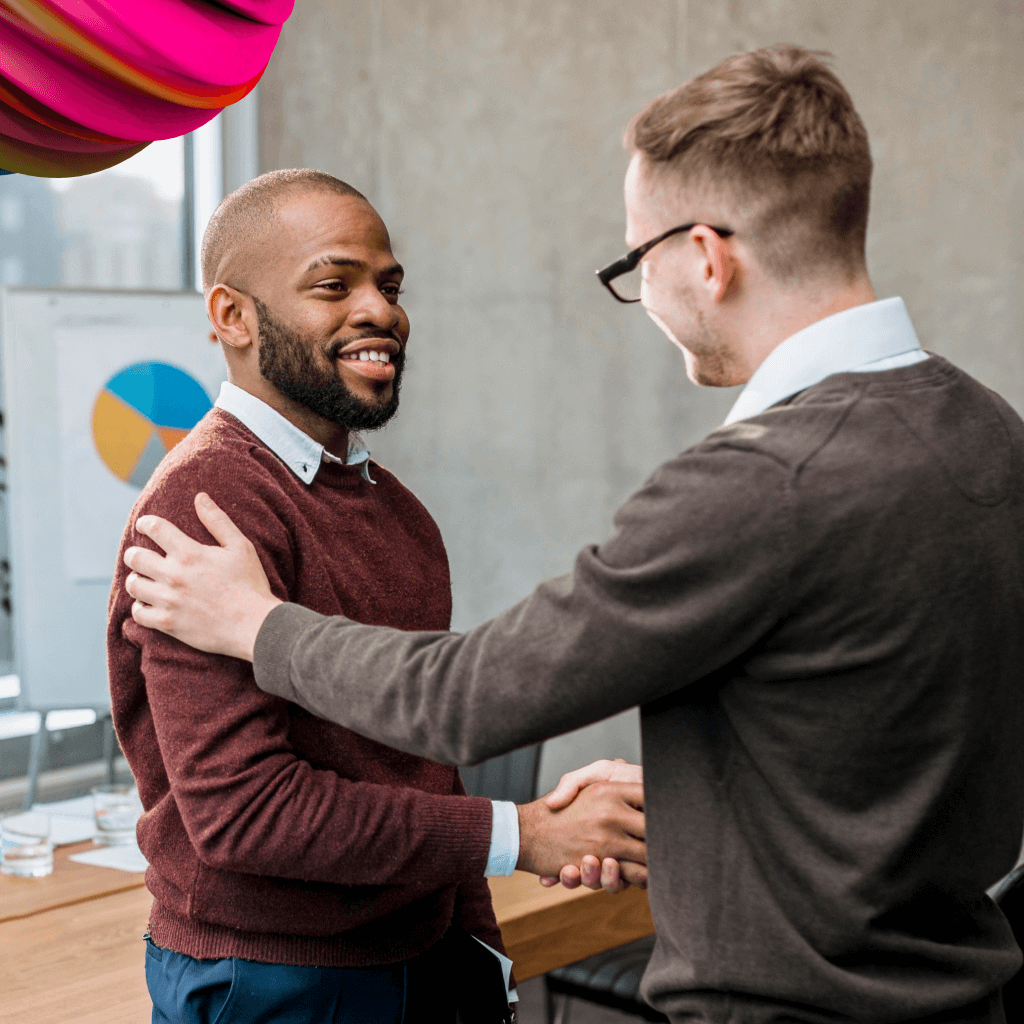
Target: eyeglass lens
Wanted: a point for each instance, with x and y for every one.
(627, 286)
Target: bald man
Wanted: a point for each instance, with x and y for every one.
(300, 872)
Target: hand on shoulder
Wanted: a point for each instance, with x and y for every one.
(211, 597)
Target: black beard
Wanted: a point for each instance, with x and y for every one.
(291, 366)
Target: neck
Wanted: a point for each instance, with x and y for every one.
(780, 315)
(331, 435)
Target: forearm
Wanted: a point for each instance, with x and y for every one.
(314, 826)
(457, 699)
(564, 657)
(249, 803)
(656, 608)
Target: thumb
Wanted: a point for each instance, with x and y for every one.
(216, 520)
(563, 794)
(571, 783)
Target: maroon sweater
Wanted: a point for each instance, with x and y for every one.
(273, 835)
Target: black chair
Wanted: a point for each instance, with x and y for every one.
(608, 979)
(1009, 894)
(509, 777)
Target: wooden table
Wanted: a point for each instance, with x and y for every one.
(71, 949)
(70, 883)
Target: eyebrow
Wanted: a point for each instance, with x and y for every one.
(345, 261)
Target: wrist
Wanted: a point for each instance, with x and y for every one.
(528, 834)
(252, 626)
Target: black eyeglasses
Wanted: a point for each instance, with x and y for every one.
(628, 263)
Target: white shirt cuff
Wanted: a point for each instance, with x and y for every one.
(504, 852)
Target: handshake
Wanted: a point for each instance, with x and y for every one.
(589, 830)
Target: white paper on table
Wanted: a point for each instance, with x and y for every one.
(71, 821)
(506, 968)
(127, 857)
(79, 807)
(63, 830)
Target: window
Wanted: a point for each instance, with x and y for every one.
(119, 228)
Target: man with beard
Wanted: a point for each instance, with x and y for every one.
(300, 872)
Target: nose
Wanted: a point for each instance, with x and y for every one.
(372, 309)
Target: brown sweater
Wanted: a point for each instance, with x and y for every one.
(273, 835)
(821, 612)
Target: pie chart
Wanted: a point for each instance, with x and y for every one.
(142, 412)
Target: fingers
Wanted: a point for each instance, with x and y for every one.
(620, 805)
(143, 589)
(563, 794)
(608, 874)
(590, 872)
(572, 782)
(166, 535)
(634, 874)
(611, 877)
(569, 876)
(217, 521)
(547, 880)
(151, 618)
(632, 793)
(146, 562)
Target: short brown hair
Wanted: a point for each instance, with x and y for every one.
(247, 213)
(775, 133)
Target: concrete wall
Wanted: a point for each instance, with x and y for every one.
(488, 136)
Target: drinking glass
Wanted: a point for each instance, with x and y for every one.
(26, 847)
(116, 810)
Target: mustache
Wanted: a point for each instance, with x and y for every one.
(336, 348)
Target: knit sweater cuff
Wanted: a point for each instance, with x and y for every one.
(282, 629)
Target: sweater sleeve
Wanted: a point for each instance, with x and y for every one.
(247, 801)
(473, 909)
(691, 579)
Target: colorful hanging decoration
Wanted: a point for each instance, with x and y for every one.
(85, 84)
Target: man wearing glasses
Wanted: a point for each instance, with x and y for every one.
(817, 608)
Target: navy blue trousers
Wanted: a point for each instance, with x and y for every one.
(189, 991)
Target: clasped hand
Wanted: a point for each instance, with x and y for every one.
(596, 808)
(588, 831)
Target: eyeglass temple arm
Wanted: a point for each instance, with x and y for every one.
(621, 266)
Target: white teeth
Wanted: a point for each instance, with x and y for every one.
(367, 355)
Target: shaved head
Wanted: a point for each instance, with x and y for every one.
(242, 223)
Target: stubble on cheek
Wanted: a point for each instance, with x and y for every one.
(708, 361)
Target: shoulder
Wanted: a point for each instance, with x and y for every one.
(725, 496)
(735, 489)
(221, 457)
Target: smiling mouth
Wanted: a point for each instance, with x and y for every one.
(372, 364)
(367, 356)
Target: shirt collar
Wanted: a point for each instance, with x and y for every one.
(296, 449)
(838, 344)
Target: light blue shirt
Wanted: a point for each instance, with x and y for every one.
(304, 456)
(865, 339)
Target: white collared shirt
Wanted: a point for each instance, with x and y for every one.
(865, 339)
(304, 456)
(295, 448)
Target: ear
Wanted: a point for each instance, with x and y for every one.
(719, 268)
(231, 318)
